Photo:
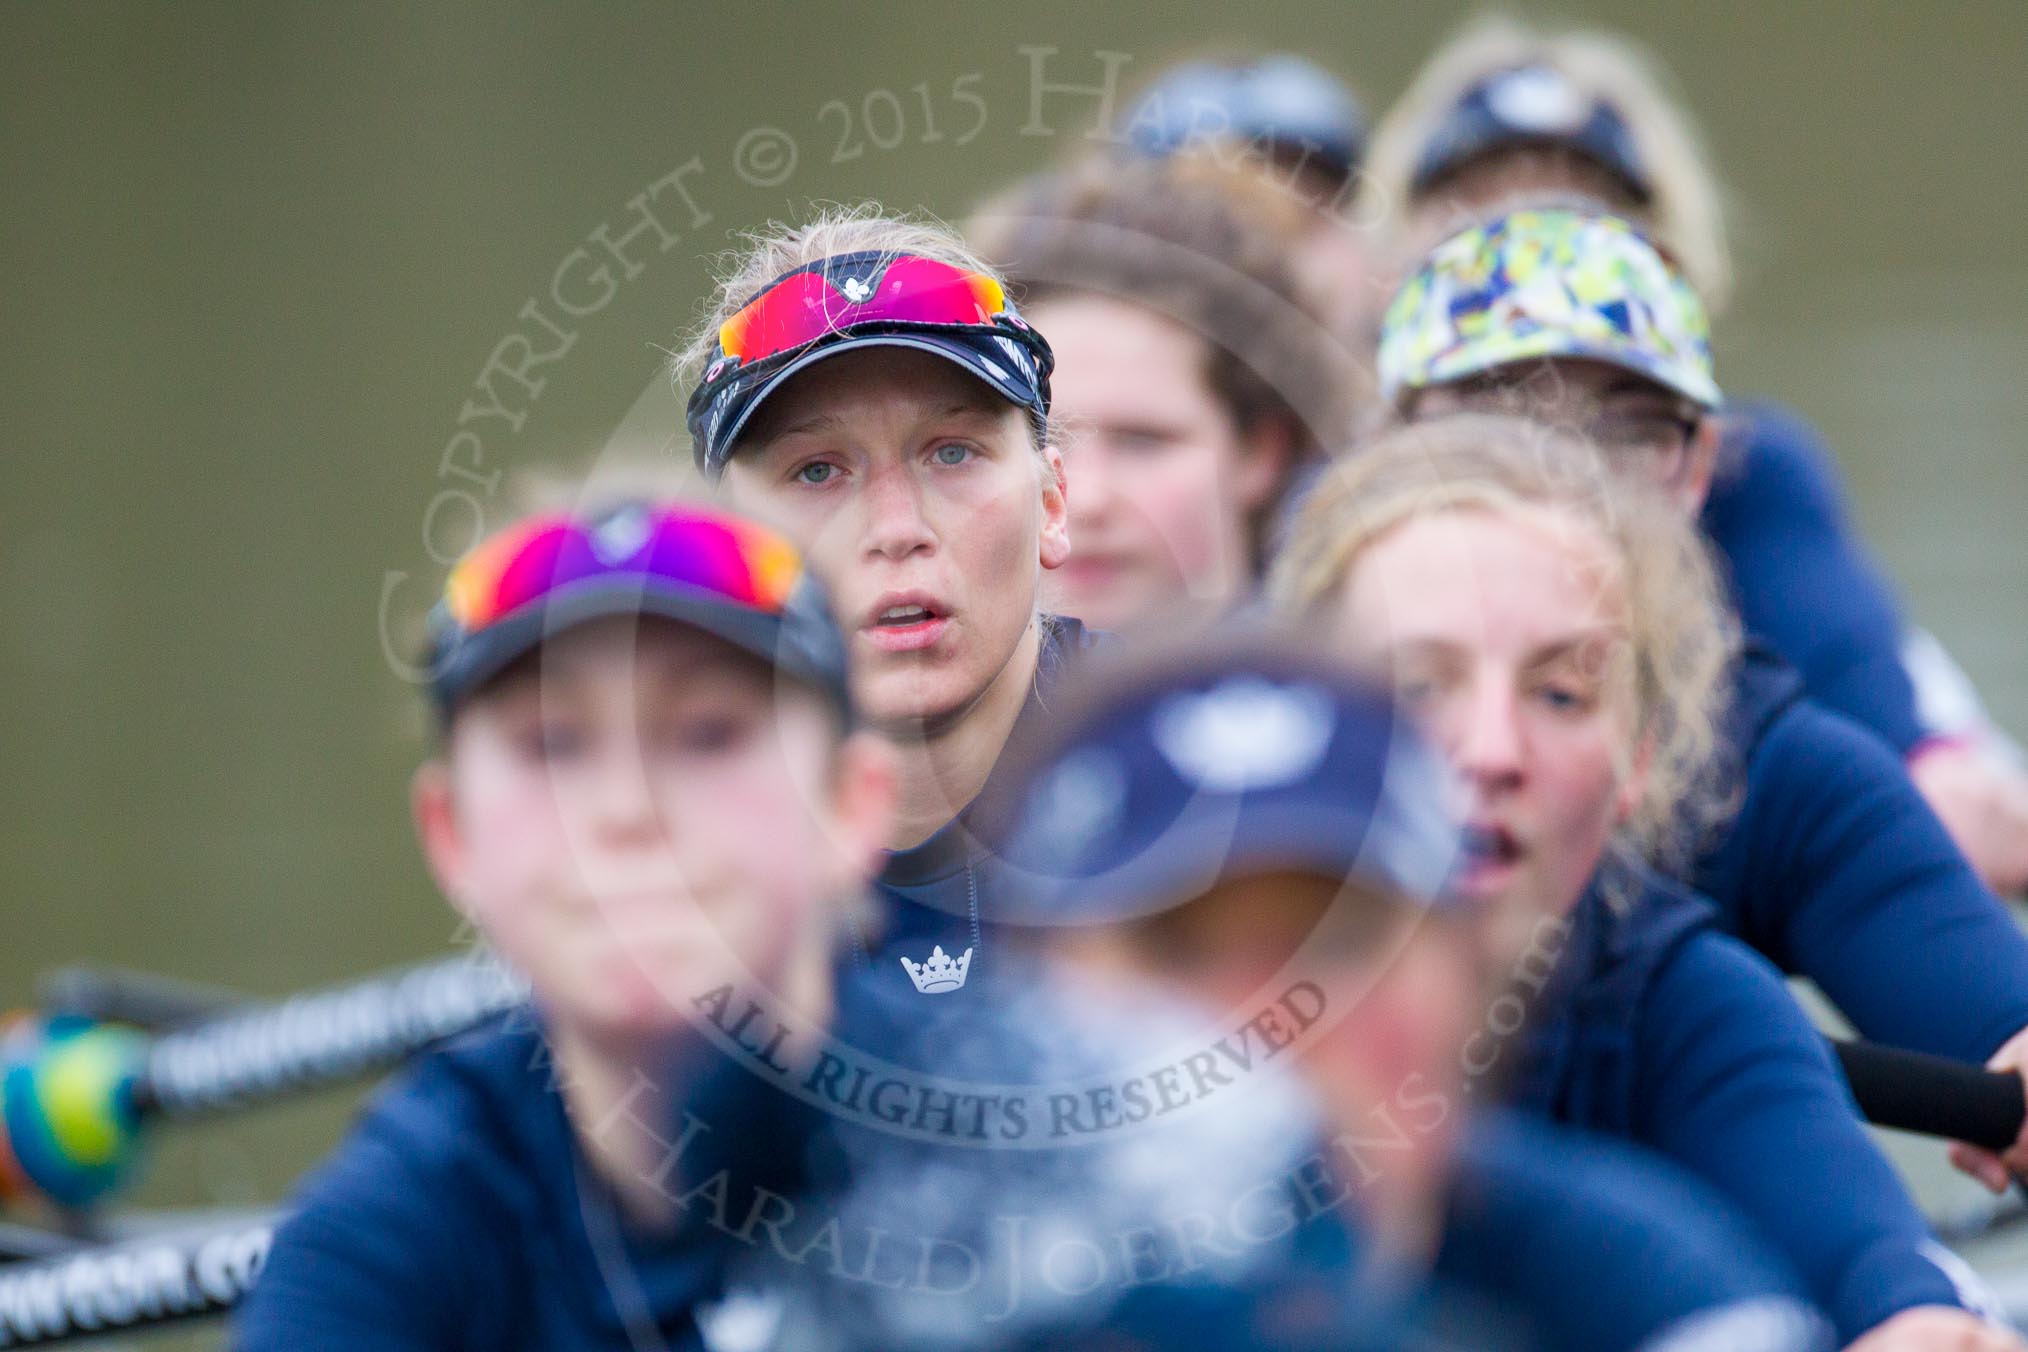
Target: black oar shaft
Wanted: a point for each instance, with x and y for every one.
(1933, 1095)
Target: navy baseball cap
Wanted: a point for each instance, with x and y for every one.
(1532, 105)
(689, 562)
(1239, 755)
(1282, 102)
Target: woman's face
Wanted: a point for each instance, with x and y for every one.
(1162, 483)
(1506, 633)
(645, 816)
(919, 495)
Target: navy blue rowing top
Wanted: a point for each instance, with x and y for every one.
(1657, 1028)
(1664, 1258)
(1224, 1229)
(1836, 868)
(1553, 1241)
(459, 1214)
(1802, 582)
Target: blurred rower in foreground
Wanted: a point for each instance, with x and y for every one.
(649, 798)
(1503, 114)
(1235, 824)
(1558, 631)
(1229, 1098)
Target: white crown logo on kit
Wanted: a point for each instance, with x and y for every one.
(939, 974)
(1245, 734)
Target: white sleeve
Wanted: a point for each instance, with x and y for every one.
(1947, 703)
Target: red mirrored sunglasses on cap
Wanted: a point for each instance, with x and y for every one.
(808, 304)
(864, 299)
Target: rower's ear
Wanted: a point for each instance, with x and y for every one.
(434, 812)
(1055, 509)
(1693, 485)
(1266, 451)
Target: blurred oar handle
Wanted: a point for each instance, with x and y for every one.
(138, 1283)
(77, 1095)
(115, 995)
(259, 1052)
(1933, 1095)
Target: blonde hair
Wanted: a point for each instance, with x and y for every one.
(1682, 640)
(1687, 213)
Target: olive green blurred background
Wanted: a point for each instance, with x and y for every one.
(256, 255)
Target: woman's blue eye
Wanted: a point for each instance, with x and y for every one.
(1142, 441)
(816, 472)
(706, 735)
(1563, 700)
(554, 743)
(703, 734)
(951, 453)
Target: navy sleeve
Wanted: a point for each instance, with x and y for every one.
(1801, 578)
(1533, 1203)
(1734, 1084)
(376, 1256)
(1837, 869)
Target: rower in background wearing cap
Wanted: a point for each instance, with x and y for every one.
(1556, 628)
(1835, 866)
(1503, 112)
(1300, 132)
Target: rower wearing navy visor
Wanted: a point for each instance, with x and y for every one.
(1835, 866)
(865, 383)
(1502, 113)
(1557, 630)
